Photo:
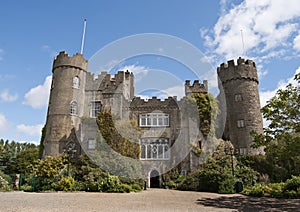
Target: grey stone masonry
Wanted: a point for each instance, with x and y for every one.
(240, 85)
(77, 95)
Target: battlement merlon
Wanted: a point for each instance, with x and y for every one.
(75, 61)
(242, 70)
(121, 76)
(154, 102)
(197, 87)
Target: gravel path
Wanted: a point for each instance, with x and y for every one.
(150, 200)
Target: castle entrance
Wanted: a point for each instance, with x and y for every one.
(154, 179)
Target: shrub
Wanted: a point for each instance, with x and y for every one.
(26, 187)
(4, 185)
(255, 191)
(276, 189)
(227, 186)
(191, 182)
(136, 187)
(65, 184)
(110, 183)
(292, 184)
(123, 188)
(180, 179)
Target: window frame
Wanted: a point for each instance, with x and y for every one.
(154, 120)
(238, 97)
(93, 111)
(76, 82)
(74, 108)
(241, 123)
(91, 146)
(155, 149)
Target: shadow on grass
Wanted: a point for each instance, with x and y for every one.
(244, 203)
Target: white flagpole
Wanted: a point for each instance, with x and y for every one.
(83, 34)
(244, 52)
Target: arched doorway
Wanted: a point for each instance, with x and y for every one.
(154, 179)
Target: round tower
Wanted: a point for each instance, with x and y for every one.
(66, 101)
(240, 85)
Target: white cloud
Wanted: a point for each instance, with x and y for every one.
(6, 97)
(3, 124)
(174, 91)
(267, 95)
(32, 130)
(266, 25)
(297, 43)
(38, 96)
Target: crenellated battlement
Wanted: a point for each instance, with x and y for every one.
(242, 70)
(75, 61)
(197, 87)
(154, 102)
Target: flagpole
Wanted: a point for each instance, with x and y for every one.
(83, 35)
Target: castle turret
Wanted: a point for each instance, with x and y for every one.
(197, 87)
(66, 101)
(240, 84)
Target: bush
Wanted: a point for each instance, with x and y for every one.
(4, 185)
(66, 184)
(288, 189)
(257, 190)
(292, 184)
(27, 188)
(227, 186)
(110, 183)
(190, 183)
(123, 188)
(136, 187)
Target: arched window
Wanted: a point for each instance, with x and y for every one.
(73, 108)
(76, 82)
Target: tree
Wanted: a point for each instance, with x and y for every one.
(282, 137)
(15, 157)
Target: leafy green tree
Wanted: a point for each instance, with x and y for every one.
(25, 159)
(282, 137)
(216, 175)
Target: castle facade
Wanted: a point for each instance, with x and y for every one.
(77, 96)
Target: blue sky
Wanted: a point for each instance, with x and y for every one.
(33, 32)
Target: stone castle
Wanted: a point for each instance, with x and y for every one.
(77, 96)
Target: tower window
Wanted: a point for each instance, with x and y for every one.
(238, 98)
(76, 82)
(73, 108)
(91, 144)
(243, 151)
(95, 108)
(240, 123)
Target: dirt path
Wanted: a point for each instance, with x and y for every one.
(150, 200)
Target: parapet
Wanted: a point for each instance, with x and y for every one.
(197, 87)
(75, 61)
(154, 103)
(242, 70)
